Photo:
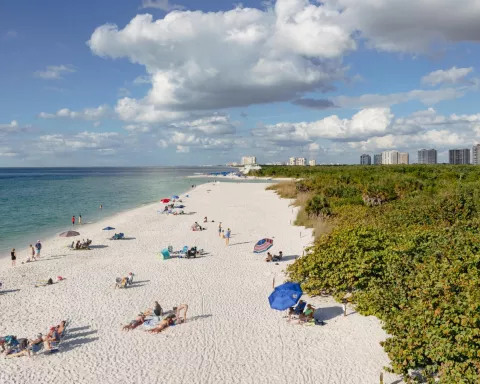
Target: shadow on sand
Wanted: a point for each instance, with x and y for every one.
(328, 313)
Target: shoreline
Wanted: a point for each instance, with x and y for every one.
(231, 334)
(243, 178)
(52, 232)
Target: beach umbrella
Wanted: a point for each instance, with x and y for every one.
(263, 245)
(107, 229)
(69, 234)
(165, 200)
(285, 296)
(175, 197)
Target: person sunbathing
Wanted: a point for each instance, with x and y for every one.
(134, 323)
(269, 257)
(172, 319)
(52, 336)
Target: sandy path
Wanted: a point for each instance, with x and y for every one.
(232, 335)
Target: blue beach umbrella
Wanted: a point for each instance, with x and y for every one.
(175, 197)
(108, 228)
(285, 296)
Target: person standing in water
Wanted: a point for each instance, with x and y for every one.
(80, 220)
(73, 220)
(14, 257)
(101, 206)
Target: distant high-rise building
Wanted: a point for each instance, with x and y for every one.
(476, 155)
(291, 161)
(377, 159)
(365, 159)
(459, 156)
(300, 161)
(312, 163)
(390, 157)
(403, 158)
(427, 156)
(249, 160)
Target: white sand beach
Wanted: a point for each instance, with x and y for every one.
(231, 336)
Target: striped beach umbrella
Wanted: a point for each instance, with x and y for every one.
(263, 245)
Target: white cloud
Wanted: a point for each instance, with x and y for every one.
(411, 25)
(364, 124)
(86, 114)
(10, 127)
(105, 143)
(7, 152)
(211, 125)
(453, 75)
(427, 97)
(164, 5)
(55, 72)
(129, 109)
(10, 35)
(142, 80)
(123, 92)
(182, 149)
(245, 56)
(141, 128)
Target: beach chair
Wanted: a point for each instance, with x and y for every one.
(164, 254)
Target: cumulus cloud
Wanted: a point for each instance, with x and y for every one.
(55, 72)
(366, 123)
(453, 75)
(103, 143)
(10, 127)
(198, 60)
(86, 114)
(411, 26)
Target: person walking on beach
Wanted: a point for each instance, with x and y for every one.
(14, 257)
(38, 247)
(220, 229)
(227, 236)
(80, 220)
(32, 252)
(73, 220)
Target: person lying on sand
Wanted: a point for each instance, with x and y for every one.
(134, 323)
(172, 319)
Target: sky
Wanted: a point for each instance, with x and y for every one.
(153, 82)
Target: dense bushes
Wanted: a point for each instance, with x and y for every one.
(413, 260)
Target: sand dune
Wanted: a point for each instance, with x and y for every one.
(232, 335)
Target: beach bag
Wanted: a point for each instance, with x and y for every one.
(50, 281)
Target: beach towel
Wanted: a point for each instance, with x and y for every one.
(151, 322)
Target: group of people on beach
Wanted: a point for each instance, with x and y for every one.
(13, 347)
(223, 234)
(33, 253)
(162, 319)
(79, 220)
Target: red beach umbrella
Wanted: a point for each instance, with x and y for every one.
(165, 201)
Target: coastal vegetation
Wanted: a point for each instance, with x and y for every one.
(404, 245)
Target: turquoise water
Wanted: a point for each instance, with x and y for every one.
(36, 203)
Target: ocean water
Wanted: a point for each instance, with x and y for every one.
(36, 203)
